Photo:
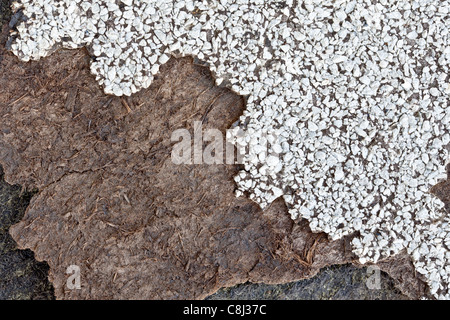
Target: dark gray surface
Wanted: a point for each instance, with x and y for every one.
(345, 282)
(5, 12)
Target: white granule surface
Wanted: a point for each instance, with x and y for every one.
(351, 97)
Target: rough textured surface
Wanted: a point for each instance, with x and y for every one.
(183, 223)
(112, 202)
(5, 12)
(21, 277)
(345, 282)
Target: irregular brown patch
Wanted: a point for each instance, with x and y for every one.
(112, 202)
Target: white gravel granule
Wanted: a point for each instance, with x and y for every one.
(350, 96)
